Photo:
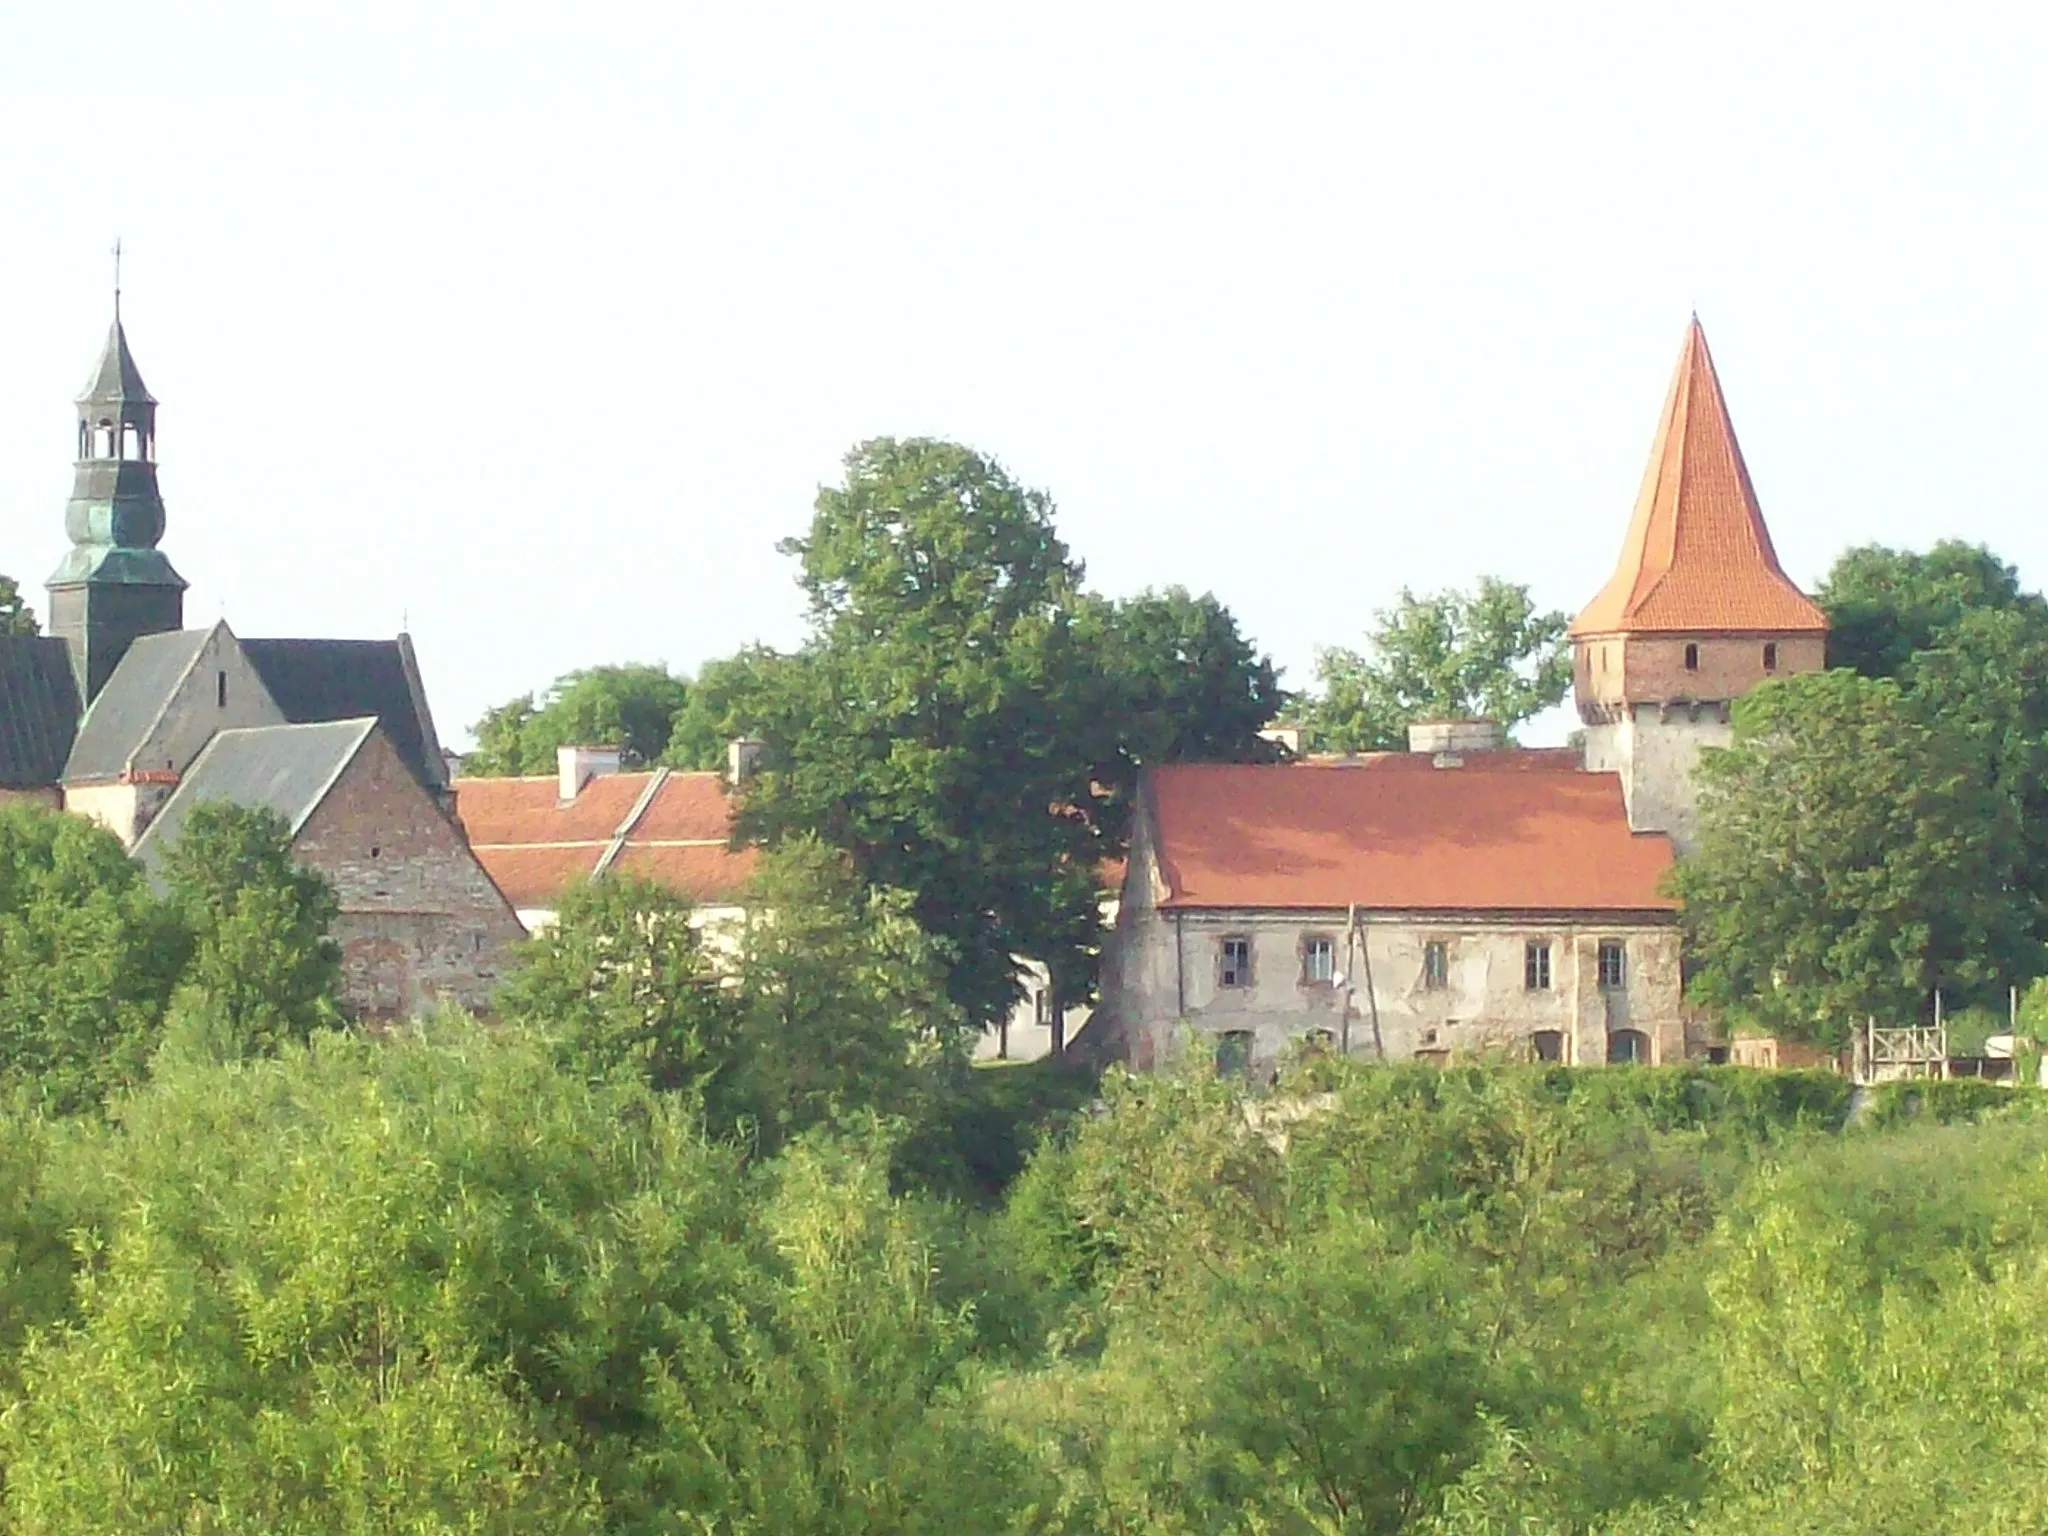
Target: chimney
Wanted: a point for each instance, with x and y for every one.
(577, 766)
(1447, 741)
(742, 759)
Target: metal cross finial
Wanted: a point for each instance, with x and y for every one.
(117, 277)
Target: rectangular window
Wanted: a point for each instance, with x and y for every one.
(1536, 965)
(1613, 965)
(1436, 965)
(1235, 963)
(1318, 961)
(1234, 1053)
(1770, 658)
(1692, 658)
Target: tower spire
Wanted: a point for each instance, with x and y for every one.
(114, 585)
(117, 279)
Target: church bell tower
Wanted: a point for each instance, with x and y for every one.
(115, 585)
(1697, 613)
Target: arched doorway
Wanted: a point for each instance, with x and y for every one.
(1628, 1045)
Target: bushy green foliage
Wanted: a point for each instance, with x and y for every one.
(1486, 654)
(632, 707)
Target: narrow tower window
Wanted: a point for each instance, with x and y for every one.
(1770, 658)
(1692, 658)
(220, 689)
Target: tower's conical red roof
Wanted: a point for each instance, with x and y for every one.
(1698, 557)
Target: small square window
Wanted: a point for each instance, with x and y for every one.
(1692, 658)
(1436, 965)
(1318, 961)
(1613, 965)
(1536, 965)
(1235, 963)
(1770, 658)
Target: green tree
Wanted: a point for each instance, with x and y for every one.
(1182, 683)
(16, 617)
(619, 987)
(263, 969)
(1485, 654)
(87, 959)
(844, 995)
(722, 707)
(1851, 859)
(937, 724)
(1884, 605)
(631, 707)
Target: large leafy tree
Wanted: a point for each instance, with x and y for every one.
(1852, 859)
(1886, 605)
(631, 707)
(87, 959)
(938, 725)
(263, 969)
(16, 617)
(1486, 654)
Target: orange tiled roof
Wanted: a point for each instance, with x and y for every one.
(1396, 833)
(534, 846)
(1698, 557)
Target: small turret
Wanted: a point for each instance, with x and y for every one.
(115, 584)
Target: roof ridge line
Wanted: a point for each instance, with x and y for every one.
(610, 856)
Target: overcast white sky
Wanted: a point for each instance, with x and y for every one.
(541, 325)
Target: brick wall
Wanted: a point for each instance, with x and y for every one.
(1609, 670)
(420, 920)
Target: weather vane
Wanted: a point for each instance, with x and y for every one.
(117, 277)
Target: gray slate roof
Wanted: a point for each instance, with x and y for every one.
(38, 710)
(285, 768)
(115, 378)
(132, 702)
(345, 679)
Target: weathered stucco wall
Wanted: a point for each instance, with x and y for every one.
(1163, 985)
(125, 809)
(1654, 750)
(420, 920)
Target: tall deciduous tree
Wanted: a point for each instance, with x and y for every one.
(1852, 858)
(16, 617)
(1487, 653)
(262, 967)
(87, 959)
(631, 707)
(939, 726)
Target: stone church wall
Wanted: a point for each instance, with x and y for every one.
(420, 920)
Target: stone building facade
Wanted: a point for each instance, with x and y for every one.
(1395, 907)
(420, 921)
(122, 715)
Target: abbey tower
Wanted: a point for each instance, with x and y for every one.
(1698, 611)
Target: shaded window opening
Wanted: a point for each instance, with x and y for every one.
(103, 440)
(220, 689)
(1770, 658)
(1318, 961)
(1613, 965)
(1536, 965)
(131, 441)
(1627, 1045)
(1234, 967)
(1436, 965)
(1549, 1044)
(1692, 658)
(1234, 1053)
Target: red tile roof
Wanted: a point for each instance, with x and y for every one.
(1697, 557)
(534, 846)
(1508, 831)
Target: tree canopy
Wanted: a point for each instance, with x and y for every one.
(16, 617)
(631, 707)
(1484, 654)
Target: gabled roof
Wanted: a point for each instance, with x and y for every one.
(316, 680)
(115, 378)
(285, 768)
(1394, 832)
(38, 710)
(1697, 557)
(672, 827)
(128, 708)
